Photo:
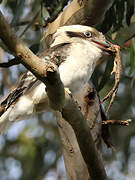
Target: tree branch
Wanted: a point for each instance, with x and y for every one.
(117, 122)
(10, 63)
(85, 140)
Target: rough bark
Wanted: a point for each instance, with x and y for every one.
(75, 165)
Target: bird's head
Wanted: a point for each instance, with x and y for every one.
(80, 33)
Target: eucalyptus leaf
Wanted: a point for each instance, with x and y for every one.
(35, 48)
(130, 10)
(18, 12)
(120, 7)
(132, 57)
(132, 81)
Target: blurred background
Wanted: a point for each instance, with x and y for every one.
(31, 148)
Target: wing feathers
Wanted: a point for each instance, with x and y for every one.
(29, 96)
(4, 122)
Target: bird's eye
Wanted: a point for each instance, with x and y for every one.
(87, 34)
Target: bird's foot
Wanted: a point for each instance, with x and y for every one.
(68, 91)
(80, 2)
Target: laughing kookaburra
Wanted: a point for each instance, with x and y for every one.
(75, 49)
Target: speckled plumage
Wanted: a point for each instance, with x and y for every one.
(74, 53)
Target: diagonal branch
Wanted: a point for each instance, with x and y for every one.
(12, 62)
(88, 149)
(42, 70)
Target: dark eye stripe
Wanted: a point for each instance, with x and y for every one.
(74, 34)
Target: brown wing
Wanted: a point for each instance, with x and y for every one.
(26, 82)
(56, 54)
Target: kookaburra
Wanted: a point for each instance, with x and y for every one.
(75, 49)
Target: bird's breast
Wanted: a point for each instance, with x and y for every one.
(75, 74)
(79, 65)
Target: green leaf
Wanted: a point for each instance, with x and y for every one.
(18, 12)
(132, 57)
(130, 11)
(132, 81)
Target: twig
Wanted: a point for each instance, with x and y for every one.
(117, 122)
(10, 63)
(22, 23)
(31, 22)
(132, 36)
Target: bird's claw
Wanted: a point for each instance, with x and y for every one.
(68, 91)
(80, 2)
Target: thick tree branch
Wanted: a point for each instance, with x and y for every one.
(10, 63)
(26, 56)
(75, 165)
(88, 149)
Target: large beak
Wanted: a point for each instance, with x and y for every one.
(106, 46)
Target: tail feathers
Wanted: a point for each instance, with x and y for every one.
(4, 121)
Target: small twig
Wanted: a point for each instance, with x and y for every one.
(80, 2)
(10, 63)
(30, 24)
(132, 36)
(117, 122)
(22, 23)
